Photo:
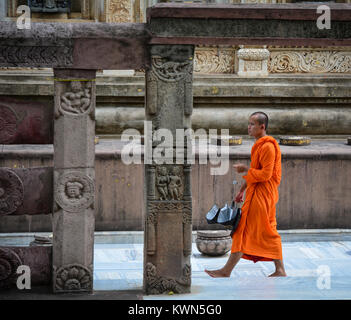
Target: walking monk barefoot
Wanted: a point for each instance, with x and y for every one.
(256, 237)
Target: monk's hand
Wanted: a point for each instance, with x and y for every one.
(239, 196)
(240, 168)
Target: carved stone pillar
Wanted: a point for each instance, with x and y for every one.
(74, 176)
(168, 221)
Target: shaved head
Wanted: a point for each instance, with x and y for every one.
(262, 118)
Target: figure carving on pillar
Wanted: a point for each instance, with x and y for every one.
(168, 106)
(169, 184)
(74, 191)
(175, 182)
(77, 101)
(162, 182)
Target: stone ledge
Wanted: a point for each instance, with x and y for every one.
(111, 149)
(255, 24)
(331, 87)
(125, 237)
(279, 11)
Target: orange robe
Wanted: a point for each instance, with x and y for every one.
(256, 235)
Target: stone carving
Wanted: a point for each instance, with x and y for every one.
(214, 242)
(77, 101)
(31, 56)
(118, 11)
(9, 262)
(171, 71)
(253, 62)
(175, 183)
(150, 172)
(169, 183)
(11, 192)
(253, 54)
(162, 181)
(152, 216)
(313, 61)
(158, 285)
(214, 60)
(8, 125)
(165, 206)
(187, 228)
(50, 5)
(74, 191)
(73, 278)
(151, 232)
(151, 92)
(187, 215)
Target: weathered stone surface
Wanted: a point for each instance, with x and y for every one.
(298, 104)
(38, 259)
(74, 119)
(74, 180)
(73, 45)
(9, 262)
(26, 191)
(73, 231)
(168, 219)
(118, 185)
(285, 24)
(73, 278)
(23, 121)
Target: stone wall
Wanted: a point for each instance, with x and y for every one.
(298, 104)
(313, 193)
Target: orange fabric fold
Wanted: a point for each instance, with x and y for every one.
(256, 236)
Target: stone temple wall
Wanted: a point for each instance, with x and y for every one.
(304, 90)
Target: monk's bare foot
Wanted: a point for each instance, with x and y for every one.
(218, 273)
(278, 273)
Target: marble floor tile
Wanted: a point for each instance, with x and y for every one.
(120, 267)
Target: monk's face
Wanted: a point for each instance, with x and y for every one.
(254, 128)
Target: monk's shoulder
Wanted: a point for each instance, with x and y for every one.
(267, 149)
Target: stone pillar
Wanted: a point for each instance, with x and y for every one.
(168, 220)
(74, 180)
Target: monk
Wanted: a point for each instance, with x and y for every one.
(256, 237)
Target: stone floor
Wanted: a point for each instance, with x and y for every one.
(316, 270)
